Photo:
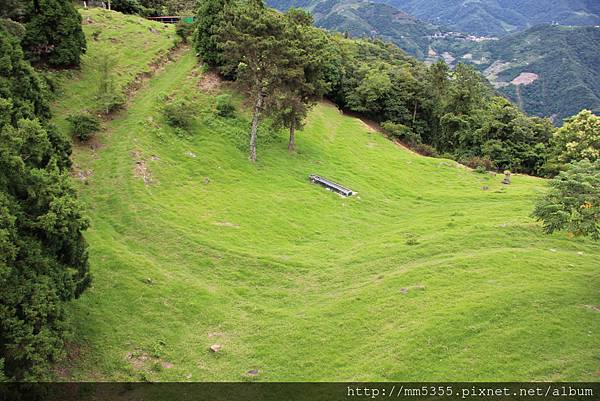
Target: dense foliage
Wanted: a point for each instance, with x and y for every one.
(43, 256)
(148, 8)
(573, 202)
(208, 19)
(579, 138)
(54, 35)
(83, 125)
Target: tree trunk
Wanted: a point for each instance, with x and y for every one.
(292, 143)
(414, 115)
(255, 117)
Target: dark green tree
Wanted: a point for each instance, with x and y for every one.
(43, 256)
(209, 18)
(303, 82)
(54, 34)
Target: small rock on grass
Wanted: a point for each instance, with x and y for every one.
(404, 290)
(252, 372)
(215, 347)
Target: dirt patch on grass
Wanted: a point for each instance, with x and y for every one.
(81, 174)
(94, 143)
(525, 78)
(372, 126)
(140, 169)
(138, 359)
(224, 224)
(209, 82)
(593, 308)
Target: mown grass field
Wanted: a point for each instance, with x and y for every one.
(424, 275)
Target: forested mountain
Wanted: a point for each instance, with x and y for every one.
(548, 70)
(365, 19)
(498, 17)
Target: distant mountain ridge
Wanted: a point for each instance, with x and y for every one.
(498, 17)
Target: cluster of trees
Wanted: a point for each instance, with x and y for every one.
(151, 8)
(49, 30)
(278, 59)
(43, 255)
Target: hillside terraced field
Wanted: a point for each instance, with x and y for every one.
(431, 271)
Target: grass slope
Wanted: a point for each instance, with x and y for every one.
(133, 43)
(422, 276)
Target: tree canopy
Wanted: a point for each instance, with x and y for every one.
(43, 256)
(573, 201)
(54, 35)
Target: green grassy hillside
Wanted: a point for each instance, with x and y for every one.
(136, 46)
(431, 272)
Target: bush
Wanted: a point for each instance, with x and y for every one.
(579, 138)
(178, 113)
(43, 255)
(83, 125)
(224, 106)
(12, 27)
(425, 150)
(401, 132)
(479, 163)
(127, 6)
(573, 201)
(184, 30)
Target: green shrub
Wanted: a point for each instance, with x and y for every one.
(401, 132)
(425, 150)
(83, 125)
(178, 113)
(184, 30)
(43, 254)
(12, 27)
(479, 163)
(224, 106)
(127, 6)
